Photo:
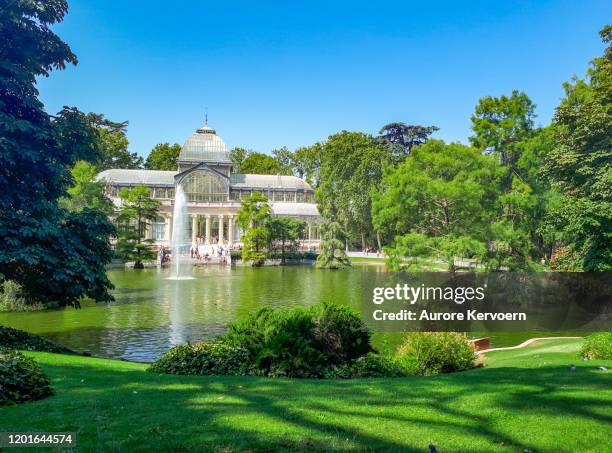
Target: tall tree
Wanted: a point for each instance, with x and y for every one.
(351, 170)
(503, 127)
(285, 160)
(114, 141)
(253, 217)
(163, 157)
(307, 163)
(332, 254)
(261, 164)
(442, 189)
(285, 232)
(137, 212)
(237, 156)
(580, 165)
(57, 256)
(499, 123)
(403, 137)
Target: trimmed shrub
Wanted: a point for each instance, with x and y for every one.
(431, 353)
(340, 332)
(300, 342)
(280, 342)
(368, 366)
(206, 359)
(597, 346)
(21, 379)
(18, 339)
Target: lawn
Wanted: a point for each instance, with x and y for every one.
(524, 400)
(425, 264)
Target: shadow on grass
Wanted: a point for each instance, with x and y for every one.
(127, 409)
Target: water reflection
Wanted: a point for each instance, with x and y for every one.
(152, 313)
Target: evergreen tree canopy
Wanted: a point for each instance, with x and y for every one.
(580, 165)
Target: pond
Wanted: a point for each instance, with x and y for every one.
(153, 313)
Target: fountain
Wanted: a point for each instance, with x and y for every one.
(181, 242)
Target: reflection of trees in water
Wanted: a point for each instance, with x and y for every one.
(289, 286)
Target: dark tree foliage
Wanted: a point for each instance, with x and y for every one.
(113, 144)
(237, 156)
(285, 232)
(405, 137)
(500, 123)
(57, 256)
(163, 157)
(580, 165)
(138, 210)
(261, 164)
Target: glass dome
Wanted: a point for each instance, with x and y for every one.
(205, 146)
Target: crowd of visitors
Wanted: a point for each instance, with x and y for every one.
(202, 252)
(199, 251)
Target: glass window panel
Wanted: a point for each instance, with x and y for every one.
(204, 187)
(158, 229)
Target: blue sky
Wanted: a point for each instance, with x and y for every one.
(275, 74)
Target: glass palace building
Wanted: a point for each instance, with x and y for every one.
(214, 192)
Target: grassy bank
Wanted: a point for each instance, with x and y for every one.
(523, 399)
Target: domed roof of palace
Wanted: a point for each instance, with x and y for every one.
(205, 145)
(239, 180)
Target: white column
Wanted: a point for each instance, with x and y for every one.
(194, 227)
(207, 239)
(149, 230)
(168, 225)
(221, 229)
(231, 230)
(309, 232)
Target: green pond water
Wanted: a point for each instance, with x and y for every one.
(152, 313)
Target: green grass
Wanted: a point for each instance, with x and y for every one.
(361, 259)
(523, 399)
(425, 265)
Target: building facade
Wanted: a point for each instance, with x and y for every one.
(214, 192)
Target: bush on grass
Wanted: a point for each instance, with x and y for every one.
(280, 342)
(431, 353)
(293, 343)
(597, 346)
(21, 378)
(18, 339)
(370, 365)
(341, 334)
(300, 342)
(323, 341)
(205, 359)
